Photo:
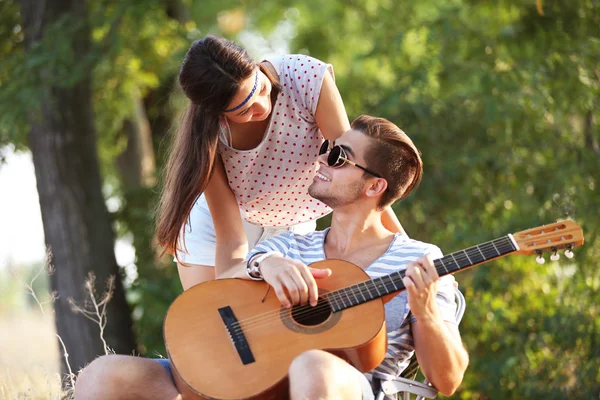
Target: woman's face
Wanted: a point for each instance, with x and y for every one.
(258, 106)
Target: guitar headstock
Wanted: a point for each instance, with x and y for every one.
(549, 238)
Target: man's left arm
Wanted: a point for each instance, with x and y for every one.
(438, 346)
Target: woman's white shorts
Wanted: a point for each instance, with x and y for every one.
(201, 242)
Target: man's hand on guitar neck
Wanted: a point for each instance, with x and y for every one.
(421, 282)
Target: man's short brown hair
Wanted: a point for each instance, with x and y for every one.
(392, 155)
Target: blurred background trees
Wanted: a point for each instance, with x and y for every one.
(501, 98)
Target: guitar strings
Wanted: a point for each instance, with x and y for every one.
(269, 316)
(324, 306)
(352, 290)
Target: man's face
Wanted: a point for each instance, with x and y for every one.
(344, 185)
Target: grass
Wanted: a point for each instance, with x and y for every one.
(29, 356)
(30, 349)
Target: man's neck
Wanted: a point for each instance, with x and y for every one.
(358, 237)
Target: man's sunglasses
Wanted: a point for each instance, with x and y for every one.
(337, 158)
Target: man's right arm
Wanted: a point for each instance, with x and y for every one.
(438, 346)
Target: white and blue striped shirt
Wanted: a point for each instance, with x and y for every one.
(309, 249)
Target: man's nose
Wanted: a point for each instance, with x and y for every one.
(322, 158)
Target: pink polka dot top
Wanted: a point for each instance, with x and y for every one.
(270, 182)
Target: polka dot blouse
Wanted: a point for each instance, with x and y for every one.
(270, 182)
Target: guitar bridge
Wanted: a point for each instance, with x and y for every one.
(237, 335)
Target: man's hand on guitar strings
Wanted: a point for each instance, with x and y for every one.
(293, 282)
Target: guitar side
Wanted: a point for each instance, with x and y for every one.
(207, 365)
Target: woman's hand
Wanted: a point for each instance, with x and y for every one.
(293, 282)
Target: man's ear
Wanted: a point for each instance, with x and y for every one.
(376, 187)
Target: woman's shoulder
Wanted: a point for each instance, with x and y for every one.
(283, 62)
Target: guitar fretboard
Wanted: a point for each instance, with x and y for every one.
(372, 289)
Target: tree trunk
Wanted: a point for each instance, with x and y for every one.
(137, 164)
(77, 225)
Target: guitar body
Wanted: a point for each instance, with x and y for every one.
(207, 365)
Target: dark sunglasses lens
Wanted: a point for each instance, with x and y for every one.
(334, 159)
(324, 148)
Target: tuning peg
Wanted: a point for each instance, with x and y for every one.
(569, 253)
(555, 256)
(539, 259)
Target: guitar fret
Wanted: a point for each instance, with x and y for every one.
(443, 265)
(457, 264)
(481, 253)
(474, 256)
(393, 283)
(337, 306)
(492, 242)
(348, 296)
(369, 293)
(362, 292)
(470, 262)
(357, 300)
(376, 287)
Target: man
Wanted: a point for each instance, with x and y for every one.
(369, 167)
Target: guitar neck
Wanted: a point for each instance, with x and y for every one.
(378, 287)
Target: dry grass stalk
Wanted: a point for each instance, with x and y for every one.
(95, 310)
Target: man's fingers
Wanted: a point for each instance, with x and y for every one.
(320, 273)
(292, 289)
(426, 262)
(409, 285)
(415, 274)
(301, 286)
(281, 295)
(313, 290)
(424, 273)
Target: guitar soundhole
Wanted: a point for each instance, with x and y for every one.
(311, 316)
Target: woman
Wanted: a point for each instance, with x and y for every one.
(238, 172)
(244, 155)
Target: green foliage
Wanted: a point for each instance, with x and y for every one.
(501, 98)
(157, 284)
(23, 77)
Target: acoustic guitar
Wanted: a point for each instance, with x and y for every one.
(232, 339)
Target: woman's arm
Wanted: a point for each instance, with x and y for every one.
(193, 274)
(330, 114)
(390, 221)
(232, 244)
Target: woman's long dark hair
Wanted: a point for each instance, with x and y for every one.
(210, 77)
